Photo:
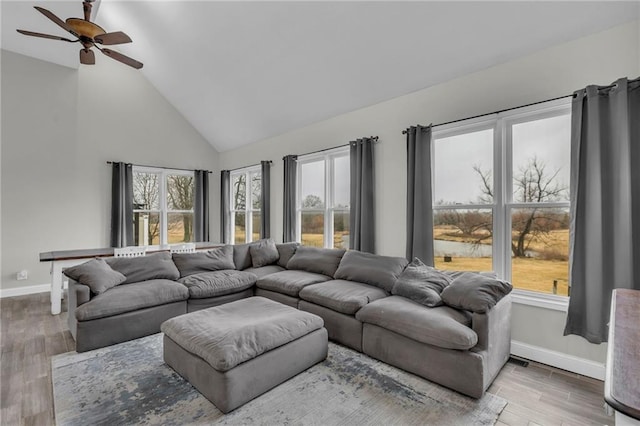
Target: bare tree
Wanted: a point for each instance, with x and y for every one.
(180, 193)
(533, 184)
(146, 196)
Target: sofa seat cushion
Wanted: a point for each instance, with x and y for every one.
(218, 283)
(265, 270)
(132, 297)
(342, 296)
(441, 326)
(290, 282)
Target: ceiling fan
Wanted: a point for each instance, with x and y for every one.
(89, 35)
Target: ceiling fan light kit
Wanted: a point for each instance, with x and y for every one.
(89, 34)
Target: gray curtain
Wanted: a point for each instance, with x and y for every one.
(419, 204)
(225, 208)
(201, 206)
(121, 205)
(605, 203)
(361, 217)
(289, 205)
(265, 192)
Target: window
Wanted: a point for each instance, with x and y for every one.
(246, 204)
(323, 199)
(162, 206)
(501, 196)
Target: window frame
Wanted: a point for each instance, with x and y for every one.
(163, 209)
(503, 204)
(328, 158)
(248, 210)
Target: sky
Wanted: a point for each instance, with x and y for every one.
(454, 178)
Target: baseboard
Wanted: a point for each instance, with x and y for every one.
(560, 360)
(23, 291)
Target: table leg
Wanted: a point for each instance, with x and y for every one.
(56, 288)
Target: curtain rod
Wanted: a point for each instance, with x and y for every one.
(375, 138)
(404, 132)
(246, 167)
(159, 167)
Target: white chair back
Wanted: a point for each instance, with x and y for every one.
(183, 248)
(133, 251)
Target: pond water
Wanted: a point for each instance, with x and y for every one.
(460, 249)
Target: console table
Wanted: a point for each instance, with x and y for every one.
(622, 380)
(66, 258)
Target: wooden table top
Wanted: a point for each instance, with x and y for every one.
(49, 256)
(622, 382)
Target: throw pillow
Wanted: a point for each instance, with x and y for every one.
(475, 292)
(216, 259)
(421, 283)
(156, 266)
(95, 274)
(286, 251)
(241, 256)
(318, 260)
(380, 271)
(263, 253)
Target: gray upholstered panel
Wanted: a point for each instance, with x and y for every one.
(156, 266)
(442, 326)
(319, 260)
(278, 297)
(108, 331)
(217, 259)
(235, 387)
(218, 283)
(231, 334)
(463, 371)
(265, 270)
(290, 282)
(344, 329)
(78, 294)
(342, 296)
(131, 297)
(380, 271)
(209, 302)
(286, 251)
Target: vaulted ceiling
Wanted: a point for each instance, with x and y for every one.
(242, 71)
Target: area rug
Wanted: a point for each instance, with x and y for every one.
(130, 384)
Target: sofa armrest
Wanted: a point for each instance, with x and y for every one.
(493, 327)
(78, 294)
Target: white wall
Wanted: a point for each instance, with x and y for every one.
(597, 59)
(59, 127)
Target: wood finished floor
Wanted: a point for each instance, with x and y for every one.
(537, 394)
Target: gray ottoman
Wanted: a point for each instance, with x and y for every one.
(238, 351)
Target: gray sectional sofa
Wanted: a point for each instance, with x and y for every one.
(450, 328)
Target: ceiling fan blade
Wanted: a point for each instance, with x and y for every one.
(52, 37)
(122, 58)
(57, 20)
(87, 57)
(112, 38)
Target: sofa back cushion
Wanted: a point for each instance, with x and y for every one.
(242, 256)
(286, 251)
(216, 259)
(156, 266)
(95, 274)
(422, 283)
(319, 260)
(263, 253)
(380, 271)
(475, 292)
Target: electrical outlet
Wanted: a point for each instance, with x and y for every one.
(22, 275)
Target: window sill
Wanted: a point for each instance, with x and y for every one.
(541, 300)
